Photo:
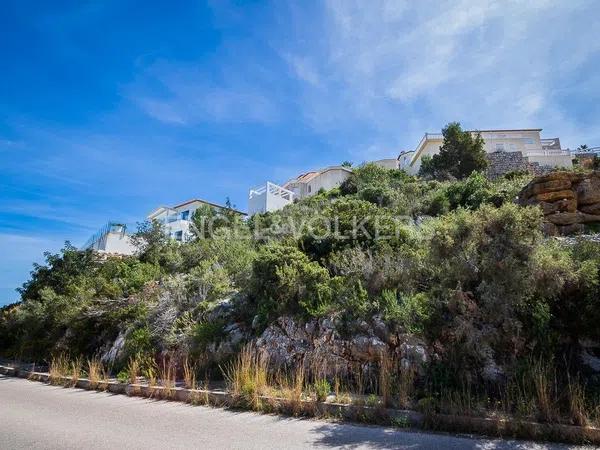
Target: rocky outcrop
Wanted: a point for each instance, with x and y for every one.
(317, 345)
(568, 199)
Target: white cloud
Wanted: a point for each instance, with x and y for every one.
(400, 68)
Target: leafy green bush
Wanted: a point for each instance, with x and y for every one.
(286, 281)
(139, 342)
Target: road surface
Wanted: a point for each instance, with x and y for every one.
(34, 416)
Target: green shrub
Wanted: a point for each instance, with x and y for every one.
(285, 281)
(322, 389)
(204, 333)
(139, 342)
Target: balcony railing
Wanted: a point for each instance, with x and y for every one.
(272, 189)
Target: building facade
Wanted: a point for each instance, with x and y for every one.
(267, 198)
(310, 183)
(112, 238)
(545, 152)
(177, 220)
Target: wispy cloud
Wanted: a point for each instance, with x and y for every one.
(401, 67)
(189, 96)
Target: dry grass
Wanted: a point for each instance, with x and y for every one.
(167, 375)
(95, 372)
(189, 374)
(59, 368)
(385, 378)
(247, 377)
(543, 383)
(76, 367)
(577, 404)
(406, 386)
(133, 373)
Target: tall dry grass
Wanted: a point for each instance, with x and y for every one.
(386, 364)
(247, 377)
(167, 374)
(96, 372)
(59, 367)
(189, 374)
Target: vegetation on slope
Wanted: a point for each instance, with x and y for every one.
(455, 263)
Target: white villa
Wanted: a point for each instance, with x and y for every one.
(177, 220)
(271, 197)
(112, 238)
(545, 152)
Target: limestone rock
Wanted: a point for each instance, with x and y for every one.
(588, 191)
(317, 344)
(591, 209)
(554, 196)
(560, 184)
(565, 218)
(568, 200)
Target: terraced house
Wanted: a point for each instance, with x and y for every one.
(547, 153)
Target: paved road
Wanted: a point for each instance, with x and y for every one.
(34, 415)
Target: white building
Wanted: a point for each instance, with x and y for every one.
(310, 183)
(546, 152)
(269, 197)
(111, 239)
(177, 220)
(390, 163)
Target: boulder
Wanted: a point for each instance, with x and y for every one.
(554, 196)
(560, 184)
(564, 218)
(567, 230)
(568, 200)
(564, 205)
(591, 209)
(588, 191)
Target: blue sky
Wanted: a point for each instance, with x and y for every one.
(109, 109)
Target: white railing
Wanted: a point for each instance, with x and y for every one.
(547, 153)
(272, 189)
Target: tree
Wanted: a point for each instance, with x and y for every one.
(346, 164)
(460, 155)
(582, 148)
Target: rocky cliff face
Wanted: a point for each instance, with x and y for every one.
(317, 344)
(569, 200)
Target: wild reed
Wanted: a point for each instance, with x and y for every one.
(167, 375)
(95, 372)
(189, 374)
(247, 377)
(59, 368)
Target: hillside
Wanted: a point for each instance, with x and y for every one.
(436, 291)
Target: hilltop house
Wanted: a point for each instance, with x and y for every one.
(544, 152)
(112, 238)
(177, 220)
(271, 197)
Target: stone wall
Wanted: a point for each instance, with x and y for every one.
(569, 200)
(501, 163)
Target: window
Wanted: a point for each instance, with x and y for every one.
(185, 215)
(513, 148)
(500, 147)
(309, 189)
(179, 235)
(528, 141)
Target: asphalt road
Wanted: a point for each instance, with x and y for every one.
(34, 416)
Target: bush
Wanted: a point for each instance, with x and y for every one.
(285, 281)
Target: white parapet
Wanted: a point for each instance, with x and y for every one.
(268, 197)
